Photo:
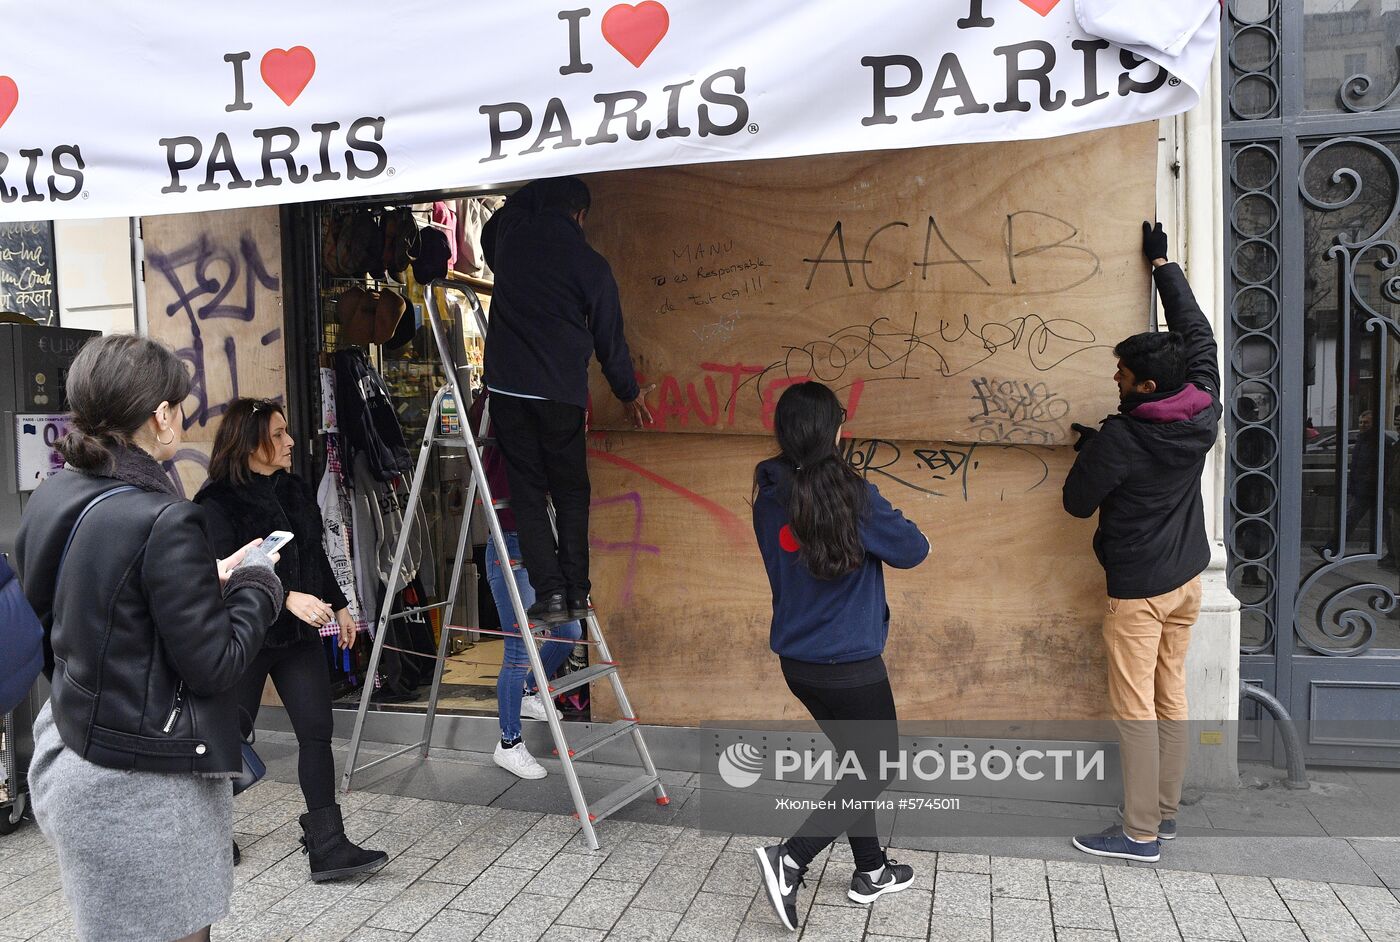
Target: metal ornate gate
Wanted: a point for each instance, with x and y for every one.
(1311, 133)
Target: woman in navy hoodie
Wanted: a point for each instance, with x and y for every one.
(825, 534)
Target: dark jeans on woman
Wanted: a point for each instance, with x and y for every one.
(303, 682)
(859, 719)
(543, 444)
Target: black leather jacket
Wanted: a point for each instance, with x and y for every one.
(143, 648)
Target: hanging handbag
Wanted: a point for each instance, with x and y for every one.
(253, 769)
(253, 766)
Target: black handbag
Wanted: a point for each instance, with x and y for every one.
(253, 770)
(253, 766)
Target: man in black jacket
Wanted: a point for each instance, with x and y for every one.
(555, 303)
(1142, 473)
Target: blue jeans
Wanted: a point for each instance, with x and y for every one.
(515, 664)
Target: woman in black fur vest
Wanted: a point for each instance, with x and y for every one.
(251, 490)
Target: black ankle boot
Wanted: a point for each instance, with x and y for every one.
(332, 855)
(551, 609)
(578, 606)
(237, 854)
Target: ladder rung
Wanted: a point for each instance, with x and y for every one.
(579, 678)
(615, 800)
(598, 737)
(414, 611)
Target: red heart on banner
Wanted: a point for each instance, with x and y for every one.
(1043, 7)
(9, 97)
(635, 31)
(287, 71)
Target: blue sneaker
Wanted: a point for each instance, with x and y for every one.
(1114, 843)
(1166, 828)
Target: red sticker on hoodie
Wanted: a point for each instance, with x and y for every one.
(787, 541)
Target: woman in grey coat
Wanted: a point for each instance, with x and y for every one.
(146, 636)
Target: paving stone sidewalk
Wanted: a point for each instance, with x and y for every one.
(461, 872)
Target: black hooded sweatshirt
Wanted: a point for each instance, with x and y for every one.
(1142, 471)
(554, 304)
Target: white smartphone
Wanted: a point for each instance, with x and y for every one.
(275, 540)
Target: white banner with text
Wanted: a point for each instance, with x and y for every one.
(146, 107)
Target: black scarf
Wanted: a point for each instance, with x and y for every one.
(254, 509)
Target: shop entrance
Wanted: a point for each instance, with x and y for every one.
(1312, 197)
(359, 274)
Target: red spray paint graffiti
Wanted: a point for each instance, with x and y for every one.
(734, 528)
(711, 406)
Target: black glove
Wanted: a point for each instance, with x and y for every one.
(1154, 241)
(1085, 433)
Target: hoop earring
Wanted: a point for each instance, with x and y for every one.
(172, 437)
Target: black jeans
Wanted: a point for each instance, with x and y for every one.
(302, 679)
(543, 444)
(860, 720)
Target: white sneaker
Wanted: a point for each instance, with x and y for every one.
(531, 707)
(518, 761)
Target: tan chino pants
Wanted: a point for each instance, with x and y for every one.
(1146, 641)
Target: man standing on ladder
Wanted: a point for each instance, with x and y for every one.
(555, 303)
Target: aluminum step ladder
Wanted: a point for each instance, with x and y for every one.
(589, 811)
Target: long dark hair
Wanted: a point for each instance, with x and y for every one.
(246, 428)
(114, 386)
(827, 497)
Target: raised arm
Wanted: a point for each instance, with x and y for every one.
(1184, 315)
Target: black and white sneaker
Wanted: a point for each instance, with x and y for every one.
(782, 882)
(896, 877)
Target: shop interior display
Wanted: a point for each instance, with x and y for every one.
(375, 261)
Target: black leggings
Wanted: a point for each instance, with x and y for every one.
(303, 682)
(860, 720)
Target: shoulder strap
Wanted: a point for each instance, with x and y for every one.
(79, 522)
